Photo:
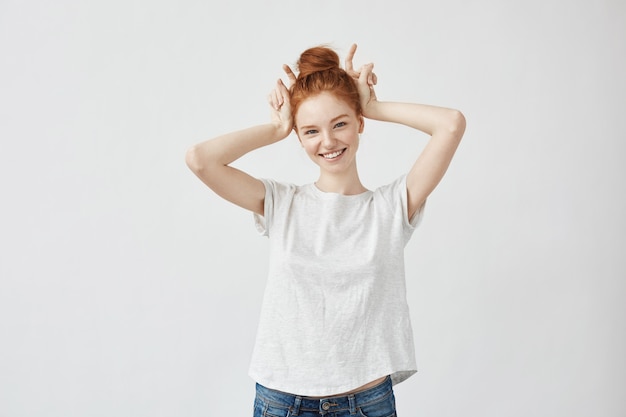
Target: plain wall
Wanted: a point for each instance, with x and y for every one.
(127, 288)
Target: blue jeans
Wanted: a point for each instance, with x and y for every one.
(377, 401)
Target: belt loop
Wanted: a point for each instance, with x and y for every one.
(296, 405)
(352, 401)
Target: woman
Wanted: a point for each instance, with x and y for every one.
(334, 333)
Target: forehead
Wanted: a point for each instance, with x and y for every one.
(321, 108)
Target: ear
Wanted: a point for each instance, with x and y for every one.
(361, 123)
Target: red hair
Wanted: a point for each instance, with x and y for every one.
(319, 71)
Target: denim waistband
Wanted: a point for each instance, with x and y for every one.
(327, 404)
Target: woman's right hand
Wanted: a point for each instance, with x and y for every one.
(280, 104)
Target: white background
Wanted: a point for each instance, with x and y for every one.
(128, 289)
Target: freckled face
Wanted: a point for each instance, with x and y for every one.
(328, 129)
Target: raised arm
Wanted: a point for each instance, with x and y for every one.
(445, 127)
(210, 160)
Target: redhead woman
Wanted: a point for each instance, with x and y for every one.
(334, 335)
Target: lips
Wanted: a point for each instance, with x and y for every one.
(333, 155)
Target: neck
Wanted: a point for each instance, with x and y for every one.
(346, 184)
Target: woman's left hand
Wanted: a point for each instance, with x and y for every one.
(365, 79)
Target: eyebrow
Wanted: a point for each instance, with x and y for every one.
(334, 119)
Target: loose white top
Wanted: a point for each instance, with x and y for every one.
(334, 314)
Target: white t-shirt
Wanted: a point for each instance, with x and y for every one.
(334, 315)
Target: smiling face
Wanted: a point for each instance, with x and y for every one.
(328, 129)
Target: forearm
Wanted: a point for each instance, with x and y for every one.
(225, 149)
(426, 118)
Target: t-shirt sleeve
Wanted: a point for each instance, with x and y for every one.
(419, 214)
(263, 223)
(396, 195)
(278, 197)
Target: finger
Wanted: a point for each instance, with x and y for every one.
(365, 74)
(372, 79)
(281, 87)
(366, 88)
(280, 92)
(275, 99)
(349, 57)
(290, 74)
(283, 92)
(271, 100)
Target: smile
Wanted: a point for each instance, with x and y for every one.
(333, 155)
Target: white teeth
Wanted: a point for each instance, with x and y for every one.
(333, 155)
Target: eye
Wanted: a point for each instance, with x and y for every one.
(310, 132)
(340, 124)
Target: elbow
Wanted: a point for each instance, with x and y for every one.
(457, 123)
(451, 125)
(192, 159)
(202, 163)
(197, 159)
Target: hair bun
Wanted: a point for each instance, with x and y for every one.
(319, 72)
(317, 59)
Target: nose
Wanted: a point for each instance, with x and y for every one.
(328, 139)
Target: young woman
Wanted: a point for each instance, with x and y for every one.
(334, 333)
